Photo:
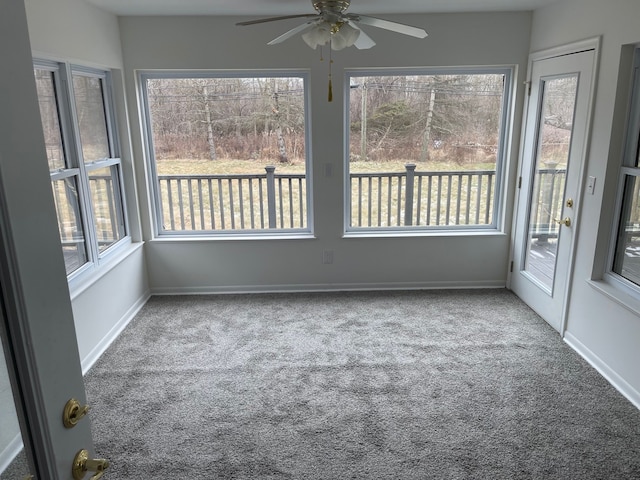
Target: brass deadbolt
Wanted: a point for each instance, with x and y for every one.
(73, 413)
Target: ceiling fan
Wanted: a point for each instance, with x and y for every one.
(332, 25)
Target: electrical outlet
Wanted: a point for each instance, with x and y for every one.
(327, 257)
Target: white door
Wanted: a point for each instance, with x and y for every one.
(37, 325)
(551, 171)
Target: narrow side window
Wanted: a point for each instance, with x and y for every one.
(626, 257)
(85, 169)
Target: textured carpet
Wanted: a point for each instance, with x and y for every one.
(376, 385)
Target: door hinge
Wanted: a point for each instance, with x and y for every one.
(528, 85)
(519, 182)
(511, 266)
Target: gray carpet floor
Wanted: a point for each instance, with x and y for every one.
(369, 385)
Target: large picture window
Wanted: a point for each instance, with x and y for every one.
(228, 153)
(626, 257)
(76, 113)
(425, 149)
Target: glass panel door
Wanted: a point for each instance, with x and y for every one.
(553, 152)
(555, 128)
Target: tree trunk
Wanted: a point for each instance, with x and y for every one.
(282, 147)
(363, 125)
(426, 136)
(209, 122)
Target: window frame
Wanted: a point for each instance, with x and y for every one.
(497, 224)
(629, 168)
(149, 153)
(76, 167)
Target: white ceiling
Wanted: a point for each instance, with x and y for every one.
(291, 7)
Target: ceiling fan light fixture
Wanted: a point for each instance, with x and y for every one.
(345, 36)
(341, 34)
(318, 35)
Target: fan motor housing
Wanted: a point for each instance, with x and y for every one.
(334, 6)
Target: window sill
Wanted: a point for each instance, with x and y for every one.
(421, 233)
(85, 279)
(617, 292)
(232, 237)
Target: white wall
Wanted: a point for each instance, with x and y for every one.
(426, 261)
(74, 31)
(607, 333)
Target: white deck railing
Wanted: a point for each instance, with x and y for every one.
(381, 199)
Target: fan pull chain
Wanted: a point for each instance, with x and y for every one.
(330, 95)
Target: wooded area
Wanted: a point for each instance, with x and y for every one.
(395, 117)
(420, 117)
(231, 118)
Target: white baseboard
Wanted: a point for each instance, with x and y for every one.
(10, 452)
(93, 356)
(325, 287)
(607, 372)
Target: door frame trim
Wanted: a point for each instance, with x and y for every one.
(588, 44)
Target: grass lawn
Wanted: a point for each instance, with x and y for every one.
(230, 166)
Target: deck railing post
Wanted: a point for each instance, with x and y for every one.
(408, 195)
(271, 195)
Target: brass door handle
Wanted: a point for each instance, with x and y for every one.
(83, 464)
(566, 221)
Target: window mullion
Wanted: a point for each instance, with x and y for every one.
(630, 171)
(107, 162)
(65, 173)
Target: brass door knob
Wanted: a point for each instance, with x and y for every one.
(83, 464)
(566, 222)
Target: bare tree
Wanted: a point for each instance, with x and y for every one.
(208, 122)
(282, 148)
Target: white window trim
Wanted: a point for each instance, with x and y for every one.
(500, 192)
(152, 177)
(614, 285)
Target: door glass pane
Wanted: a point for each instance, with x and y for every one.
(552, 157)
(13, 462)
(104, 183)
(91, 117)
(45, 83)
(74, 247)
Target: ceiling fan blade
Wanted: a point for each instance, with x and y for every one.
(299, 29)
(273, 19)
(363, 41)
(387, 25)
